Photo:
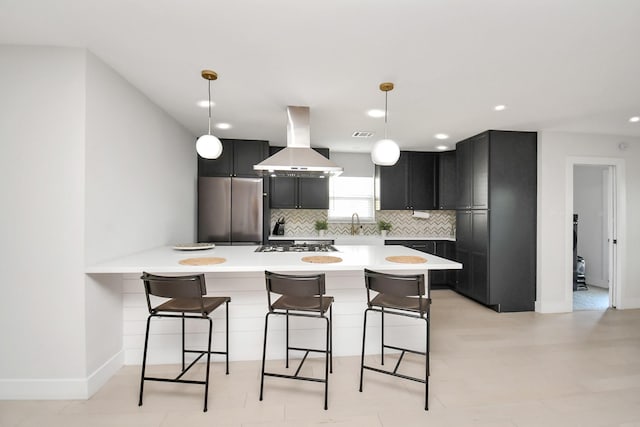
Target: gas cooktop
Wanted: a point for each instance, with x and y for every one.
(304, 247)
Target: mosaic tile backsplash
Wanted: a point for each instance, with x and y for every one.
(300, 222)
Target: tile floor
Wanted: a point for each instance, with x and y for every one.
(488, 369)
(592, 298)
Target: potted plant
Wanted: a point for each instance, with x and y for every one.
(384, 227)
(321, 226)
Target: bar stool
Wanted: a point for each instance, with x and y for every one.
(300, 296)
(401, 295)
(183, 294)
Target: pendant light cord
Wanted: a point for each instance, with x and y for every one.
(210, 107)
(386, 95)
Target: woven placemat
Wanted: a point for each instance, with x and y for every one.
(406, 259)
(322, 259)
(202, 261)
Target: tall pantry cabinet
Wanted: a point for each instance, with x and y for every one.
(496, 219)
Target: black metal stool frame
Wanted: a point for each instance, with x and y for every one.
(422, 313)
(208, 352)
(328, 351)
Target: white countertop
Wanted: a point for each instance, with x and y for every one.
(245, 259)
(347, 237)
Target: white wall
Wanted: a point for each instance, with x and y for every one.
(140, 170)
(555, 153)
(72, 193)
(140, 193)
(590, 204)
(42, 217)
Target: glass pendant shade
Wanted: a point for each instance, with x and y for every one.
(209, 147)
(385, 152)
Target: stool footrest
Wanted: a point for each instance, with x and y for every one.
(306, 349)
(205, 351)
(405, 349)
(394, 374)
(174, 380)
(294, 377)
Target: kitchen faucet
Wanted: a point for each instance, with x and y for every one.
(355, 230)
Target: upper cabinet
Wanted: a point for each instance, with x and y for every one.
(409, 184)
(472, 160)
(299, 193)
(447, 180)
(237, 159)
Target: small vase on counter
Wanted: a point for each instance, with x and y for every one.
(322, 233)
(384, 233)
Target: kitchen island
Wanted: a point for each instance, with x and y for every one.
(238, 259)
(241, 276)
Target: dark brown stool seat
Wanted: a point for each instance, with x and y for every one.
(184, 300)
(400, 295)
(300, 296)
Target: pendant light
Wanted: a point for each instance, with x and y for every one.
(385, 152)
(209, 146)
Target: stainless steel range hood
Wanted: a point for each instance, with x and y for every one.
(298, 159)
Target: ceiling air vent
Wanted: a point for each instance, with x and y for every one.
(362, 134)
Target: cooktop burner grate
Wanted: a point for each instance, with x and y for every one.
(304, 247)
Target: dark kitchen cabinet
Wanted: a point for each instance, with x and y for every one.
(283, 193)
(237, 159)
(444, 278)
(447, 180)
(299, 193)
(464, 172)
(409, 184)
(427, 246)
(472, 163)
(472, 246)
(496, 233)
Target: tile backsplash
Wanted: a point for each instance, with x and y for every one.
(300, 222)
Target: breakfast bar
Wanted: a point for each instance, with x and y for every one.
(238, 271)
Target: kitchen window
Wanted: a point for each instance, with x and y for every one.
(349, 195)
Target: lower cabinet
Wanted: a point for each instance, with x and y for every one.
(443, 248)
(498, 258)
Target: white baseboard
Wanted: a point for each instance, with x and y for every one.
(630, 303)
(60, 388)
(43, 389)
(553, 307)
(598, 283)
(101, 375)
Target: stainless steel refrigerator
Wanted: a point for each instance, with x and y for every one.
(230, 210)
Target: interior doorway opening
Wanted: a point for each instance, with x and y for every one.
(594, 250)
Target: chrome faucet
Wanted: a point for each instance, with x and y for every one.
(355, 230)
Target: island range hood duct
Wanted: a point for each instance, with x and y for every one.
(298, 159)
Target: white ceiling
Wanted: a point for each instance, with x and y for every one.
(569, 65)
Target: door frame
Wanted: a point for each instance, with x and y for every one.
(617, 225)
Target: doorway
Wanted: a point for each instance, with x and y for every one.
(594, 262)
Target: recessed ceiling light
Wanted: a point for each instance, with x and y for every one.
(205, 104)
(499, 107)
(634, 119)
(375, 113)
(362, 134)
(223, 125)
(442, 147)
(441, 136)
